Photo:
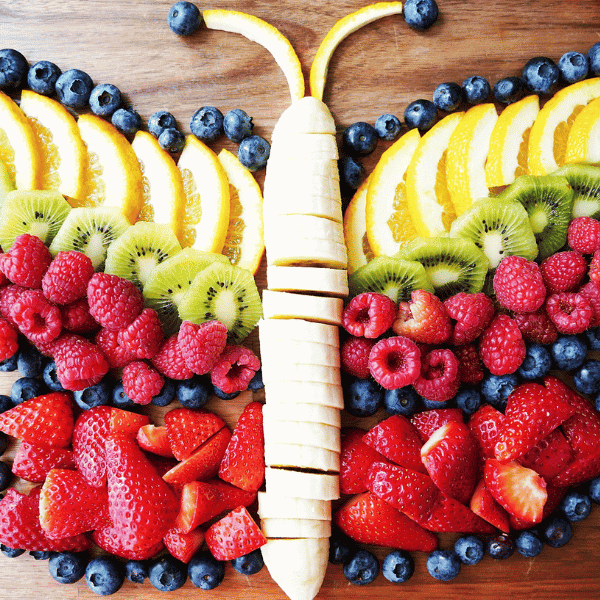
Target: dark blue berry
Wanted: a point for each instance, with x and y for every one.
(528, 543)
(587, 377)
(388, 127)
(593, 338)
(420, 14)
(254, 152)
(159, 121)
(13, 69)
(594, 490)
(469, 549)
(497, 388)
(184, 18)
(51, 378)
(420, 114)
(568, 352)
(431, 404)
(104, 575)
(556, 532)
(443, 565)
(219, 393)
(166, 395)
(256, 383)
(476, 89)
(171, 140)
(120, 399)
(341, 548)
(593, 56)
(5, 403)
(167, 574)
(576, 506)
(30, 361)
(447, 96)
(360, 139)
(402, 401)
(3, 440)
(67, 567)
(5, 475)
(11, 552)
(249, 564)
(237, 125)
(352, 173)
(194, 392)
(362, 397)
(509, 90)
(42, 77)
(540, 75)
(573, 67)
(26, 388)
(362, 568)
(73, 88)
(126, 120)
(136, 571)
(500, 546)
(536, 364)
(205, 571)
(468, 400)
(398, 566)
(105, 99)
(207, 124)
(96, 395)
(9, 364)
(41, 554)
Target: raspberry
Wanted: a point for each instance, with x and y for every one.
(423, 319)
(141, 382)
(9, 294)
(37, 318)
(395, 362)
(67, 277)
(369, 315)
(169, 361)
(234, 369)
(519, 285)
(439, 379)
(469, 363)
(563, 271)
(354, 355)
(114, 302)
(76, 317)
(26, 261)
(201, 345)
(594, 268)
(472, 313)
(9, 339)
(583, 235)
(108, 341)
(571, 313)
(51, 348)
(144, 336)
(536, 327)
(79, 363)
(591, 291)
(501, 346)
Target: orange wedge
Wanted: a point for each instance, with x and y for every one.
(355, 229)
(583, 144)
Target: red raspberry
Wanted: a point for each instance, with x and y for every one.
(571, 313)
(594, 267)
(423, 319)
(501, 346)
(79, 363)
(395, 362)
(50, 348)
(519, 285)
(234, 369)
(37, 319)
(563, 271)
(114, 302)
(591, 291)
(439, 379)
(9, 294)
(9, 339)
(3, 279)
(143, 337)
(108, 341)
(76, 317)
(169, 360)
(26, 261)
(472, 313)
(536, 327)
(67, 277)
(141, 382)
(369, 315)
(201, 345)
(583, 235)
(354, 355)
(469, 363)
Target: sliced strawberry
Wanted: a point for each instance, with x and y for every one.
(484, 425)
(449, 516)
(428, 421)
(183, 545)
(115, 541)
(581, 469)
(483, 505)
(188, 429)
(154, 439)
(555, 495)
(33, 462)
(549, 456)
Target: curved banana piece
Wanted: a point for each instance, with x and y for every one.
(287, 507)
(332, 282)
(295, 528)
(300, 456)
(312, 413)
(284, 305)
(289, 393)
(297, 329)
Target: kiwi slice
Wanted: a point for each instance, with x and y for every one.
(91, 231)
(548, 201)
(6, 182)
(452, 264)
(226, 293)
(170, 280)
(39, 213)
(585, 181)
(498, 228)
(394, 277)
(143, 246)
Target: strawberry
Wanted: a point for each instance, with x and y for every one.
(235, 535)
(183, 545)
(449, 515)
(483, 505)
(243, 463)
(33, 462)
(368, 520)
(549, 456)
(521, 491)
(484, 425)
(423, 319)
(429, 421)
(154, 439)
(113, 540)
(582, 469)
(451, 457)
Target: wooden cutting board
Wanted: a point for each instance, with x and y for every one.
(377, 70)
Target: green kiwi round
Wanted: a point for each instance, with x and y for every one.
(585, 181)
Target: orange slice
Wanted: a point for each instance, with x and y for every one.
(355, 229)
(583, 143)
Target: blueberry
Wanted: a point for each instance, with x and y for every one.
(420, 114)
(593, 56)
(67, 567)
(5, 475)
(26, 388)
(573, 67)
(420, 14)
(51, 378)
(497, 388)
(256, 383)
(594, 490)
(401, 401)
(500, 546)
(576, 506)
(126, 120)
(388, 127)
(11, 552)
(568, 352)
(468, 400)
(509, 90)
(105, 99)
(398, 566)
(42, 77)
(443, 565)
(254, 152)
(362, 568)
(528, 543)
(184, 18)
(3, 438)
(166, 395)
(557, 532)
(341, 548)
(207, 124)
(476, 89)
(30, 361)
(194, 392)
(95, 395)
(237, 125)
(73, 88)
(536, 364)
(540, 75)
(13, 69)
(593, 337)
(249, 564)
(9, 364)
(205, 571)
(159, 121)
(587, 377)
(469, 549)
(352, 173)
(167, 574)
(362, 397)
(5, 403)
(219, 393)
(104, 575)
(41, 554)
(431, 404)
(360, 139)
(120, 399)
(136, 571)
(171, 140)
(447, 96)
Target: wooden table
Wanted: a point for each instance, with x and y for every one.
(378, 69)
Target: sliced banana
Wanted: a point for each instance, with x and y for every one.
(288, 372)
(307, 252)
(286, 305)
(314, 205)
(312, 413)
(295, 528)
(303, 226)
(284, 184)
(282, 507)
(307, 115)
(297, 169)
(302, 145)
(320, 280)
(298, 329)
(302, 457)
(317, 435)
(311, 353)
(288, 393)
(300, 484)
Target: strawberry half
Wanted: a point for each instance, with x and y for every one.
(115, 541)
(581, 469)
(429, 421)
(450, 516)
(188, 429)
(183, 545)
(33, 462)
(154, 439)
(549, 456)
(423, 319)
(484, 506)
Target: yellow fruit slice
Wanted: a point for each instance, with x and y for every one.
(342, 29)
(61, 150)
(550, 132)
(507, 158)
(583, 144)
(244, 243)
(205, 216)
(355, 229)
(266, 35)
(18, 146)
(466, 156)
(389, 224)
(112, 174)
(427, 195)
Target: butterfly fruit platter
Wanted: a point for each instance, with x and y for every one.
(299, 300)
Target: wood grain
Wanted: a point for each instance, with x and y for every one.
(379, 69)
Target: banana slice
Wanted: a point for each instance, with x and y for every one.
(295, 528)
(312, 413)
(288, 393)
(284, 184)
(302, 457)
(317, 435)
(311, 353)
(282, 507)
(285, 305)
(297, 169)
(311, 252)
(302, 145)
(303, 226)
(294, 204)
(281, 371)
(301, 330)
(321, 280)
(299, 484)
(307, 115)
